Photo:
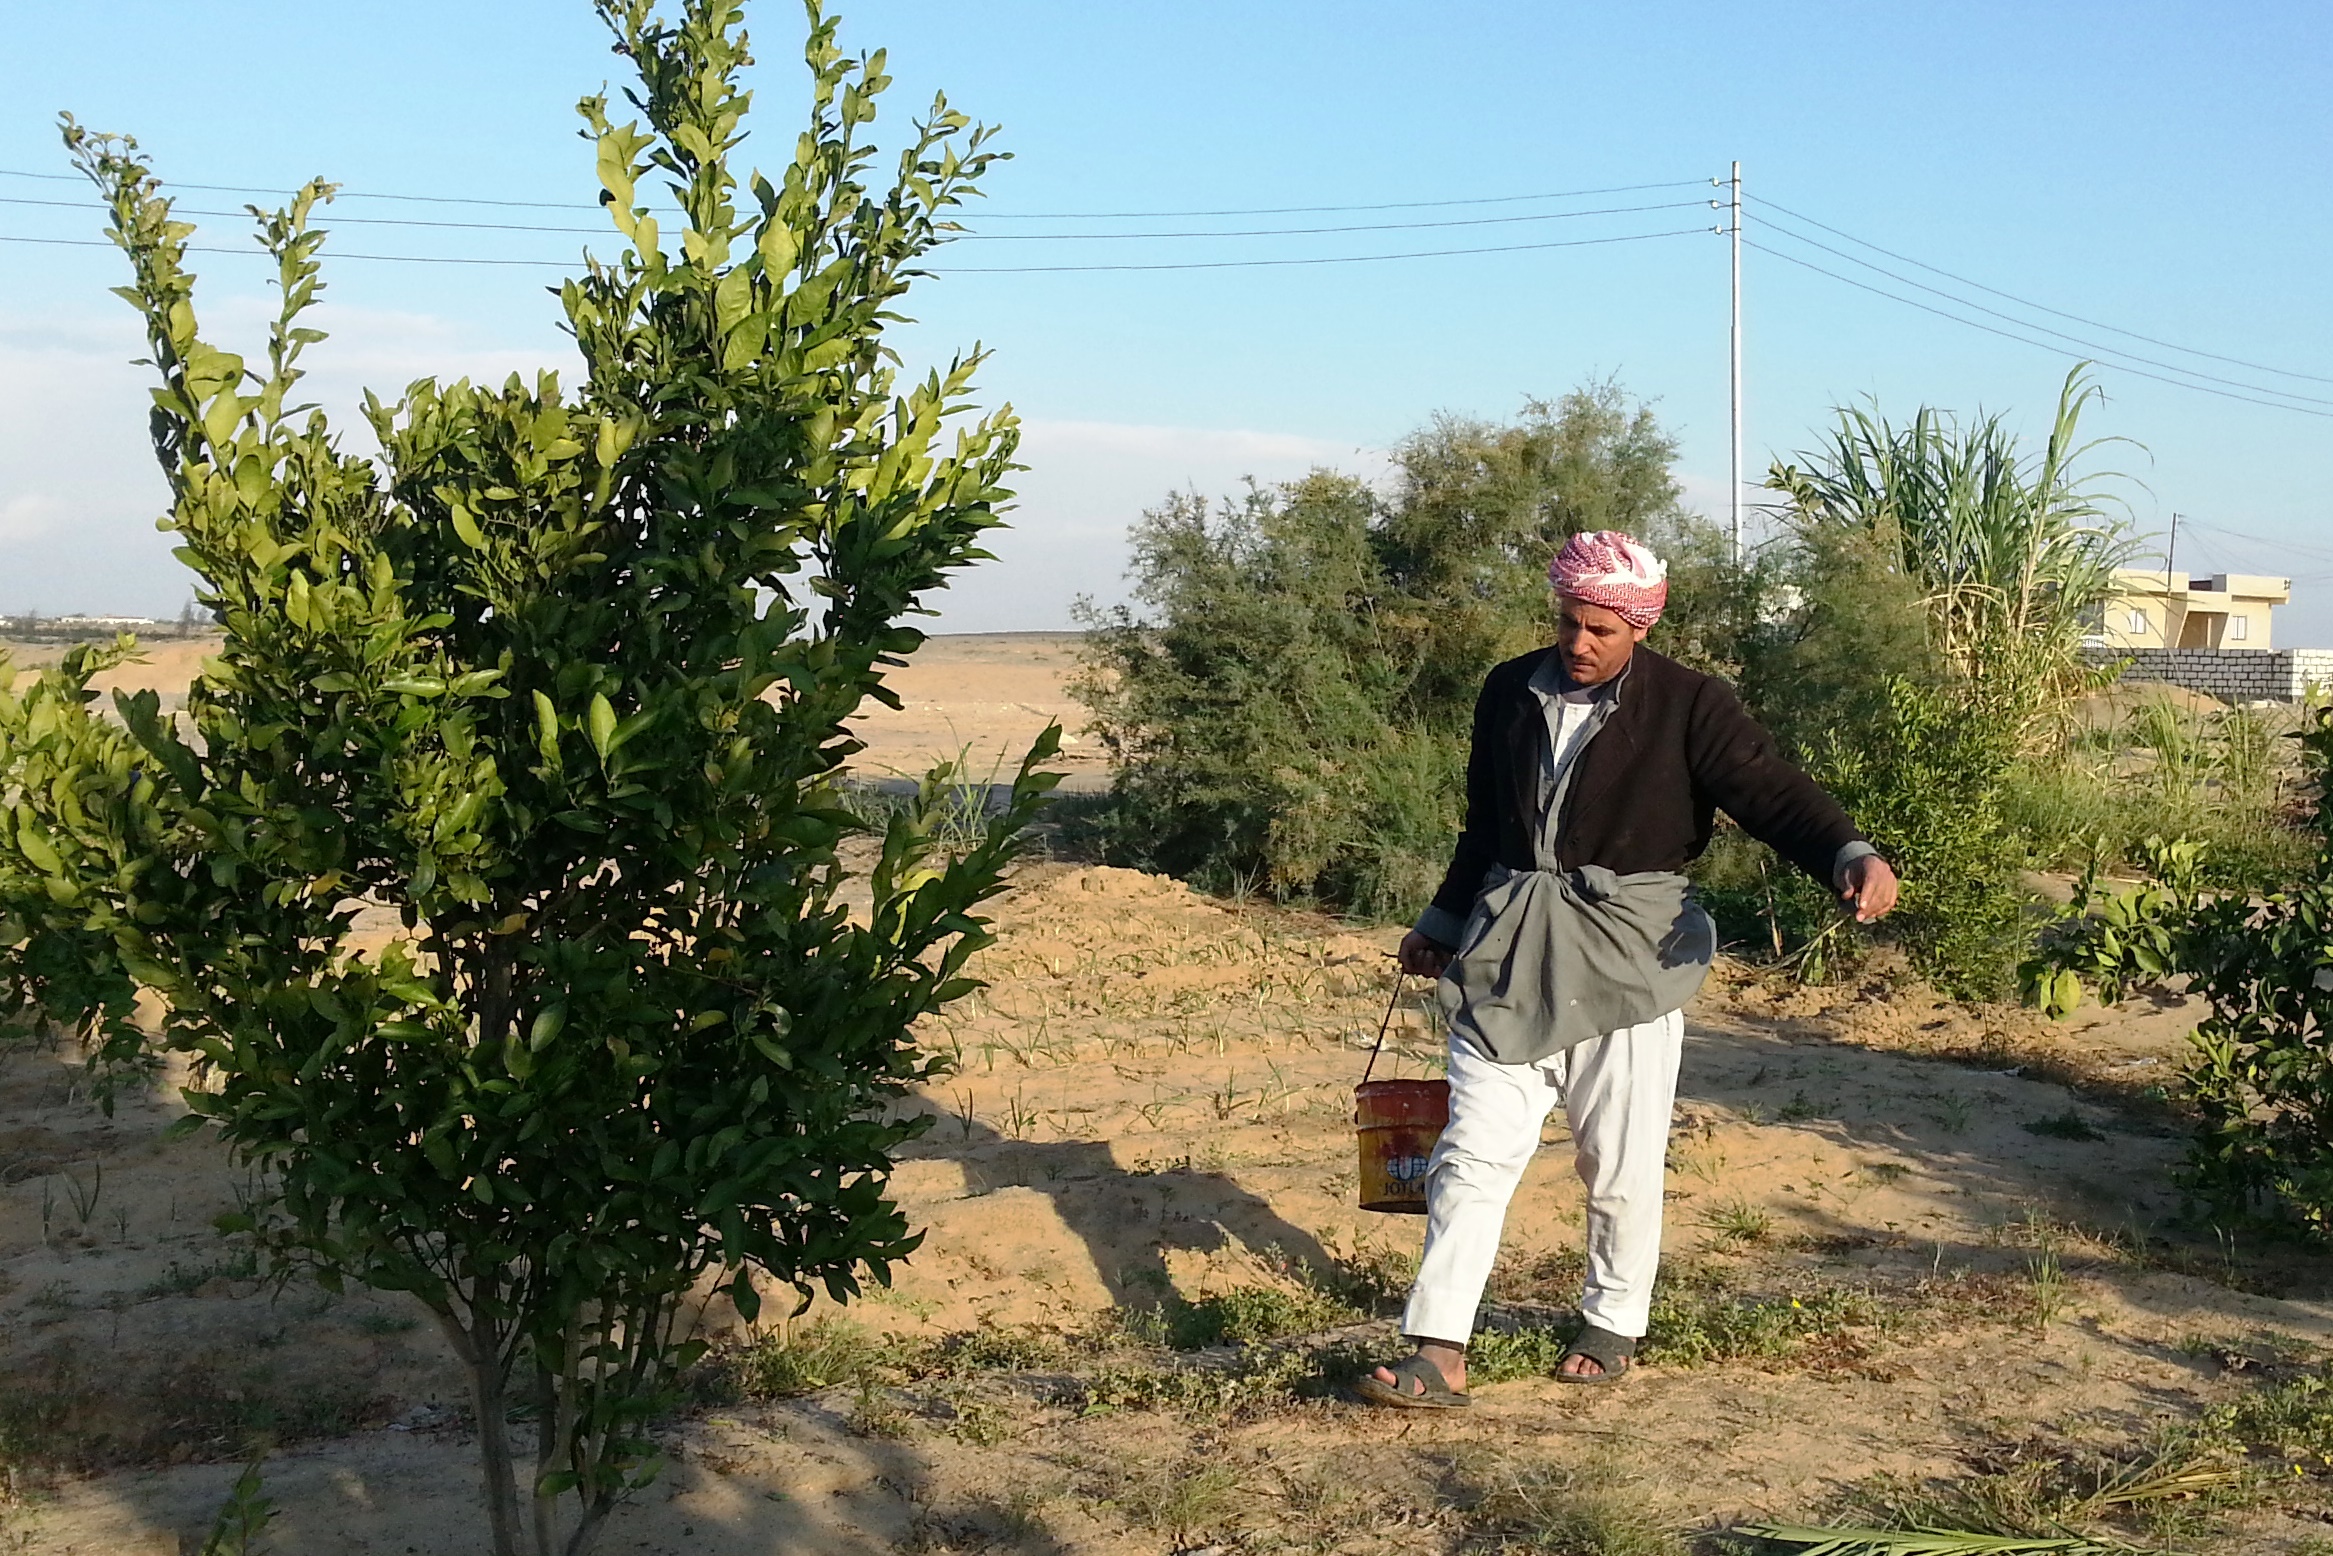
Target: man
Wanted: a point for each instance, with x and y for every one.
(1567, 942)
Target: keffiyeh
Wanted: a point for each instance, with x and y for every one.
(1610, 569)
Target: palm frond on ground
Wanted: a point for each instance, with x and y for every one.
(1841, 1540)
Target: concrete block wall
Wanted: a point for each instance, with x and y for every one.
(2230, 674)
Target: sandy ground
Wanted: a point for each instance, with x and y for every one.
(1152, 1098)
(1150, 1103)
(978, 699)
(982, 699)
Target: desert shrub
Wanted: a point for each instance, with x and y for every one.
(561, 676)
(2217, 779)
(1921, 776)
(2010, 549)
(1289, 703)
(1914, 638)
(2261, 1079)
(1246, 1314)
(1923, 780)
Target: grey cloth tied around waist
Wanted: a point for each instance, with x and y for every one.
(1553, 957)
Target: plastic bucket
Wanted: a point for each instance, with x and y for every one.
(1397, 1123)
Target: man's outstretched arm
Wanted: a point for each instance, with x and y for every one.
(1734, 761)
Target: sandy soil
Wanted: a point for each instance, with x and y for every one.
(979, 699)
(1152, 1099)
(1150, 1104)
(982, 698)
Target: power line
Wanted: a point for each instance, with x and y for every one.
(1339, 259)
(1296, 232)
(348, 194)
(975, 270)
(2260, 367)
(2318, 552)
(256, 253)
(2087, 345)
(338, 218)
(1257, 210)
(1324, 210)
(1911, 302)
(602, 229)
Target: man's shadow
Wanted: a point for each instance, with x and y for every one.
(1128, 1218)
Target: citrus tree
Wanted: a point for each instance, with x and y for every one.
(2260, 1080)
(561, 677)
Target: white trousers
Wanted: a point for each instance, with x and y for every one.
(1616, 1091)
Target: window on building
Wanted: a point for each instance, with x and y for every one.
(2239, 628)
(2136, 621)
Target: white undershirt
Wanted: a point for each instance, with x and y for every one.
(1568, 718)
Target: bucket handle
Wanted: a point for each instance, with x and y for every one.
(1400, 976)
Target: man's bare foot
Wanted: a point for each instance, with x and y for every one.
(1449, 1360)
(1578, 1366)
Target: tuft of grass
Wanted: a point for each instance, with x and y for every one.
(1182, 1499)
(1531, 1505)
(2292, 1421)
(1696, 1326)
(875, 1413)
(1739, 1221)
(1501, 1356)
(1259, 1381)
(1371, 1276)
(184, 1280)
(1245, 1315)
(2068, 1125)
(381, 1325)
(797, 1359)
(60, 1414)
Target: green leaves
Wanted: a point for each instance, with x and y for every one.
(600, 724)
(627, 1038)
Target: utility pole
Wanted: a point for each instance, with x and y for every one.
(1737, 362)
(2171, 553)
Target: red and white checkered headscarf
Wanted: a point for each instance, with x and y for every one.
(1610, 569)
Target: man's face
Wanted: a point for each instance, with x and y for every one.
(1595, 642)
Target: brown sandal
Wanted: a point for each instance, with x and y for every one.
(1615, 1353)
(1433, 1392)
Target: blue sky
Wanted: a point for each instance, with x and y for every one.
(2159, 168)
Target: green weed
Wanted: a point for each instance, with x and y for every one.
(1694, 1326)
(2068, 1125)
(1179, 1499)
(1247, 1314)
(802, 1358)
(1740, 1221)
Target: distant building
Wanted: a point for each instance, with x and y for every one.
(2210, 635)
(2159, 609)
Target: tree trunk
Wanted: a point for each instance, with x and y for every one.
(482, 1359)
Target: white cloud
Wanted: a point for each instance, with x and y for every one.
(79, 490)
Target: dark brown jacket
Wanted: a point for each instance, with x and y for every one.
(1677, 747)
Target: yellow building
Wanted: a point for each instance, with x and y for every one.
(2156, 609)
